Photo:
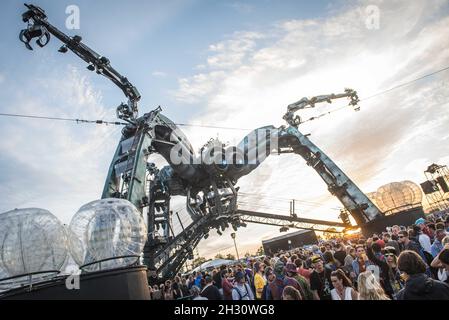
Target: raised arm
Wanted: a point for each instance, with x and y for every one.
(38, 27)
(305, 103)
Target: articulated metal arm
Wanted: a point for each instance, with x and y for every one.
(39, 27)
(310, 103)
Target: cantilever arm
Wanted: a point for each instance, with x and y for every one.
(310, 103)
(39, 27)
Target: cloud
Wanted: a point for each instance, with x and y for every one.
(54, 165)
(159, 74)
(250, 78)
(241, 7)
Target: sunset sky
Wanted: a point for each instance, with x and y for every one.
(232, 64)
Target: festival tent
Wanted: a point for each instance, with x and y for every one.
(213, 264)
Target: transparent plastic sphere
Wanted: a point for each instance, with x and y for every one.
(104, 229)
(32, 240)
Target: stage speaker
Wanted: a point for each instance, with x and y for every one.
(429, 187)
(443, 184)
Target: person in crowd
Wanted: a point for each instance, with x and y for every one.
(203, 281)
(361, 262)
(162, 290)
(376, 249)
(395, 231)
(217, 278)
(226, 284)
(157, 293)
(191, 281)
(168, 292)
(419, 286)
(379, 241)
(249, 274)
(343, 289)
(176, 288)
(422, 237)
(408, 244)
(369, 288)
(301, 270)
(316, 251)
(304, 287)
(198, 278)
(350, 256)
(320, 283)
(440, 226)
(441, 262)
(195, 293)
(184, 287)
(210, 291)
(389, 242)
(432, 229)
(424, 228)
(289, 278)
(259, 279)
(270, 276)
(241, 290)
(275, 287)
(329, 261)
(373, 251)
(447, 224)
(340, 254)
(290, 293)
(395, 279)
(437, 244)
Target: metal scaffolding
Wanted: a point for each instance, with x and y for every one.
(287, 222)
(436, 188)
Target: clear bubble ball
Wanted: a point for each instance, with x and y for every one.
(31, 240)
(104, 229)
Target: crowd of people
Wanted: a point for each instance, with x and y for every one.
(402, 263)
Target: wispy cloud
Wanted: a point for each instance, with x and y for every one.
(55, 165)
(241, 7)
(159, 74)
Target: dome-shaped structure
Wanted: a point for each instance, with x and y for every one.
(32, 241)
(104, 229)
(398, 196)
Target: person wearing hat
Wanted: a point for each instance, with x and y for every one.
(389, 242)
(276, 287)
(241, 290)
(320, 282)
(304, 287)
(422, 236)
(391, 258)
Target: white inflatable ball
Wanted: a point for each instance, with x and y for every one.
(32, 240)
(104, 229)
